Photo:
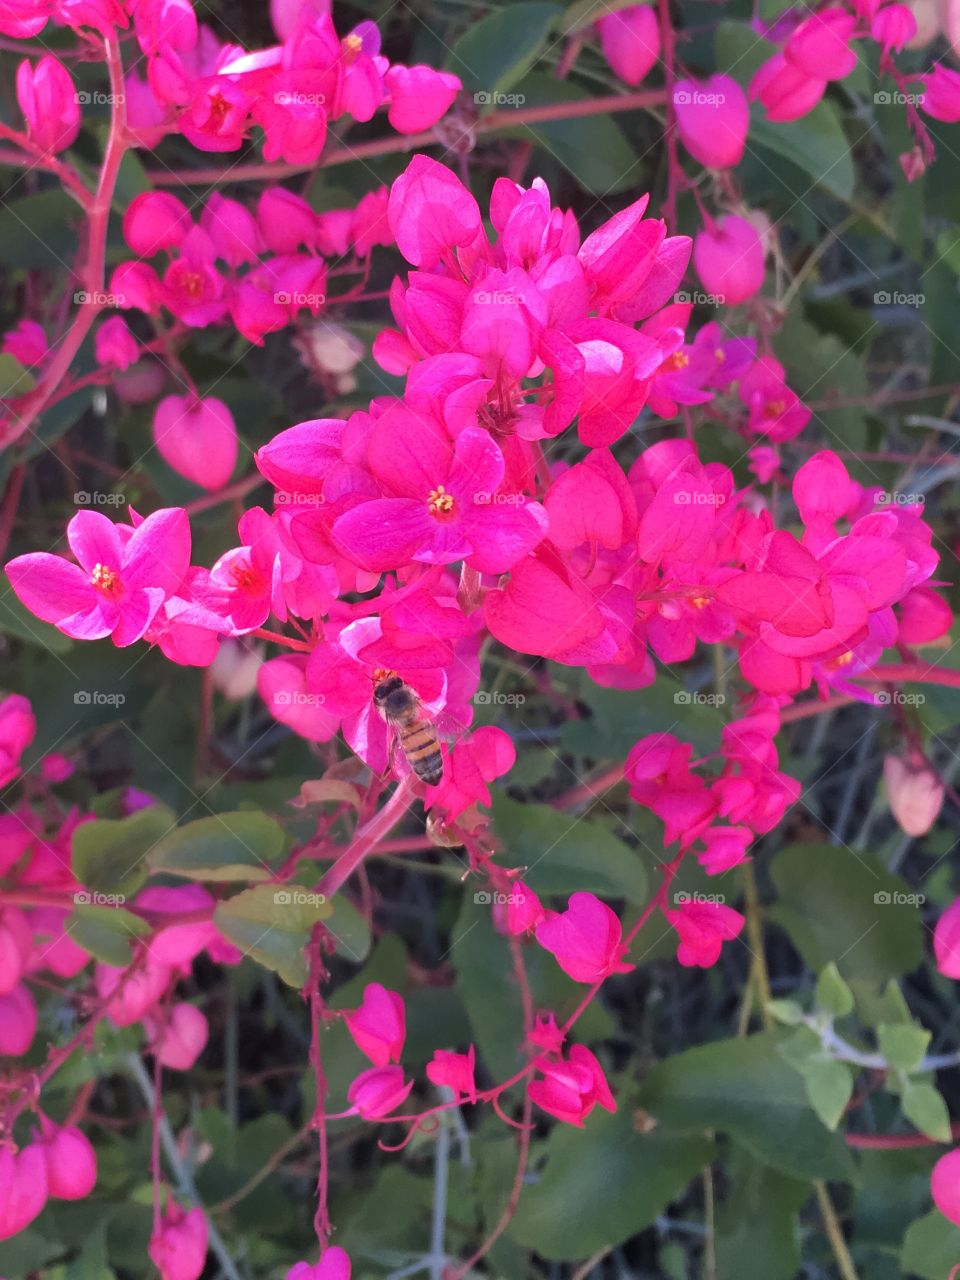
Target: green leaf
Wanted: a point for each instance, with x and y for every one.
(224, 847)
(38, 231)
(835, 906)
(592, 148)
(565, 854)
(874, 1008)
(745, 1088)
(903, 1045)
(572, 1210)
(829, 1086)
(832, 994)
(926, 1110)
(106, 932)
(619, 717)
(816, 142)
(15, 380)
(349, 930)
(582, 13)
(787, 1012)
(931, 1248)
(495, 53)
(272, 924)
(756, 1232)
(111, 856)
(17, 621)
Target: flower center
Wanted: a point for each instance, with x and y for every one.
(192, 284)
(700, 602)
(774, 408)
(440, 503)
(245, 578)
(719, 355)
(352, 44)
(219, 109)
(679, 360)
(105, 580)
(844, 660)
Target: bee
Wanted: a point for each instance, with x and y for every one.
(415, 731)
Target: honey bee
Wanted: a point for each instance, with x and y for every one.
(415, 732)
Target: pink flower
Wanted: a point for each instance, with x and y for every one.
(71, 1161)
(946, 941)
(585, 939)
(378, 1092)
(114, 344)
(419, 96)
(924, 617)
(444, 505)
(155, 220)
(703, 927)
(820, 45)
(27, 342)
(713, 118)
(334, 1265)
(786, 91)
(945, 1185)
(915, 792)
(378, 1027)
(233, 230)
(941, 96)
(18, 727)
(472, 764)
(893, 27)
(18, 1026)
(23, 1188)
(431, 212)
(455, 1071)
(630, 39)
(192, 287)
(197, 437)
(181, 1039)
(571, 1087)
(524, 912)
(179, 1248)
(729, 259)
(49, 103)
(121, 580)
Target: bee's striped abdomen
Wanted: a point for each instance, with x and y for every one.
(420, 746)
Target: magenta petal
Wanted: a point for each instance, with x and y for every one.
(503, 534)
(94, 540)
(158, 554)
(477, 464)
(386, 533)
(139, 609)
(51, 587)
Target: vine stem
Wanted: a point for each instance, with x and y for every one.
(364, 840)
(411, 142)
(831, 1223)
(94, 266)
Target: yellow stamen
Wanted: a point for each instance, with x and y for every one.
(440, 503)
